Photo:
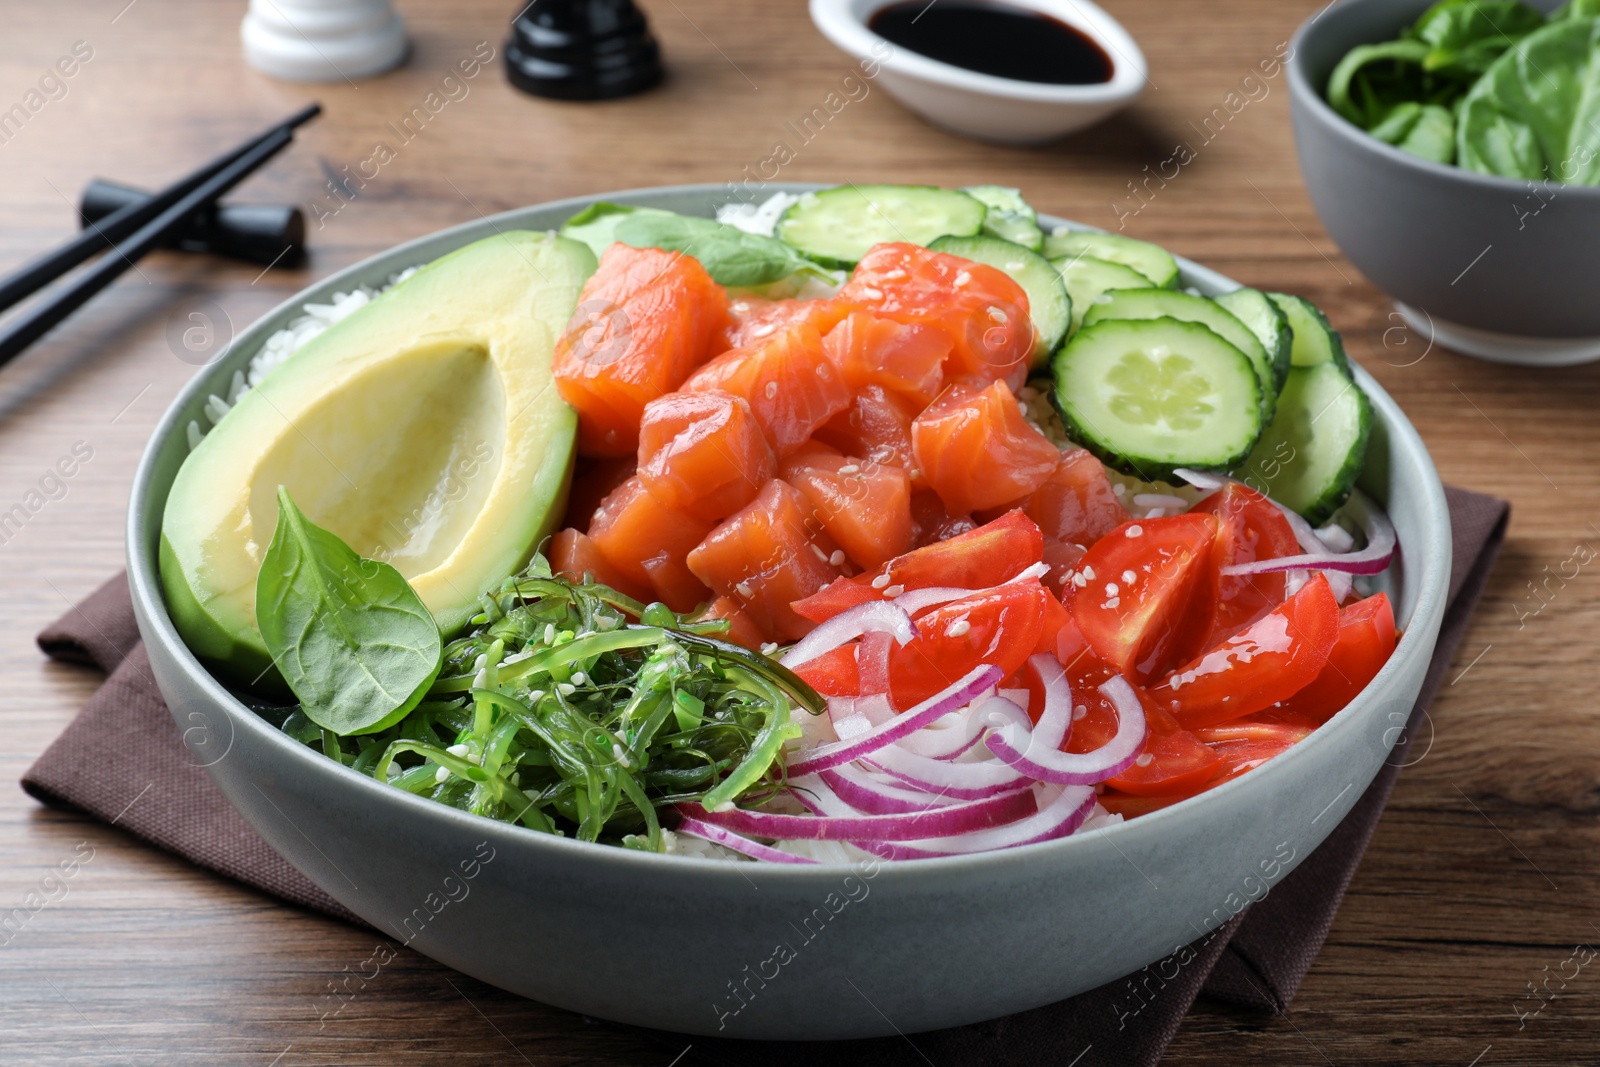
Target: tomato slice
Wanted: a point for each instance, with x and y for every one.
(1172, 764)
(1144, 595)
(1253, 528)
(1366, 640)
(1268, 661)
(834, 673)
(1243, 745)
(1000, 626)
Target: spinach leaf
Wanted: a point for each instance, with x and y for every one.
(596, 225)
(1535, 113)
(1465, 36)
(730, 255)
(1373, 78)
(350, 635)
(1576, 9)
(1426, 130)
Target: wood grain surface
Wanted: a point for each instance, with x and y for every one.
(1481, 881)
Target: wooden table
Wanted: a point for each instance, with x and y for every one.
(1481, 878)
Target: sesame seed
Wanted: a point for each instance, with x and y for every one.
(958, 628)
(997, 314)
(769, 647)
(894, 275)
(549, 633)
(870, 293)
(1080, 581)
(744, 590)
(566, 689)
(579, 678)
(621, 756)
(536, 696)
(772, 390)
(823, 556)
(894, 591)
(1111, 589)
(441, 775)
(1136, 530)
(1080, 712)
(880, 581)
(1088, 572)
(850, 468)
(458, 750)
(963, 278)
(763, 330)
(1128, 577)
(1144, 760)
(838, 557)
(481, 679)
(1114, 602)
(481, 662)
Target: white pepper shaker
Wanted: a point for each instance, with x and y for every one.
(323, 40)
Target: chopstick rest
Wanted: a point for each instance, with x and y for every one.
(268, 234)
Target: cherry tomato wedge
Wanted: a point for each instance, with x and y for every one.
(1172, 764)
(1253, 528)
(1241, 746)
(833, 674)
(1268, 661)
(1144, 595)
(1366, 640)
(1000, 626)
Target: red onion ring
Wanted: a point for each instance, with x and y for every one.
(864, 792)
(834, 820)
(875, 616)
(743, 845)
(1058, 816)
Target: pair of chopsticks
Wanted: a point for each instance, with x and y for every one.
(130, 232)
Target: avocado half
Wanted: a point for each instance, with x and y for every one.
(424, 430)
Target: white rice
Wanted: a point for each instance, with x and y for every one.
(313, 320)
(759, 218)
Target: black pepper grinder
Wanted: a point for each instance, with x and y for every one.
(582, 50)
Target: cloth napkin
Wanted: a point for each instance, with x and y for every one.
(123, 760)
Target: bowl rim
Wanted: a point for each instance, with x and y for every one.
(844, 23)
(1432, 577)
(1312, 103)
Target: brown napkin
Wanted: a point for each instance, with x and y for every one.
(123, 760)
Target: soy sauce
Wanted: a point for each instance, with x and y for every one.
(994, 38)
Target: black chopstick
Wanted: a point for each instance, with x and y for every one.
(124, 221)
(35, 323)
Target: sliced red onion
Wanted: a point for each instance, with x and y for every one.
(1205, 481)
(1087, 768)
(727, 839)
(1370, 560)
(1062, 809)
(952, 735)
(875, 616)
(969, 688)
(873, 794)
(966, 781)
(874, 709)
(1160, 500)
(834, 820)
(1055, 718)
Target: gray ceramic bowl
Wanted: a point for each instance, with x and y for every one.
(693, 945)
(1488, 266)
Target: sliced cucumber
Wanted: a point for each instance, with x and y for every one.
(1010, 217)
(1169, 303)
(1310, 456)
(1087, 277)
(835, 227)
(1048, 303)
(1150, 395)
(1315, 339)
(1153, 261)
(596, 225)
(1271, 327)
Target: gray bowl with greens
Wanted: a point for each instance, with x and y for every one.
(1451, 152)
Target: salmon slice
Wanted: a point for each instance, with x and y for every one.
(753, 319)
(977, 450)
(981, 309)
(876, 426)
(790, 385)
(649, 543)
(864, 506)
(742, 629)
(593, 478)
(905, 358)
(767, 555)
(574, 556)
(703, 453)
(644, 322)
(1076, 504)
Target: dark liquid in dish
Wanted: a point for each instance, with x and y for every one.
(994, 38)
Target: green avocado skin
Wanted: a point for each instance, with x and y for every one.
(519, 285)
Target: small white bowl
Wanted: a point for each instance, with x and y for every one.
(983, 106)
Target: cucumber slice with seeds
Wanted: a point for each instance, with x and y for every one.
(1048, 303)
(1271, 327)
(1153, 261)
(1169, 303)
(1087, 277)
(1150, 395)
(1010, 217)
(1315, 339)
(836, 227)
(1311, 455)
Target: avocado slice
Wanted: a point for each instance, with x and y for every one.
(424, 430)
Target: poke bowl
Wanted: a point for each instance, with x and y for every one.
(825, 942)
